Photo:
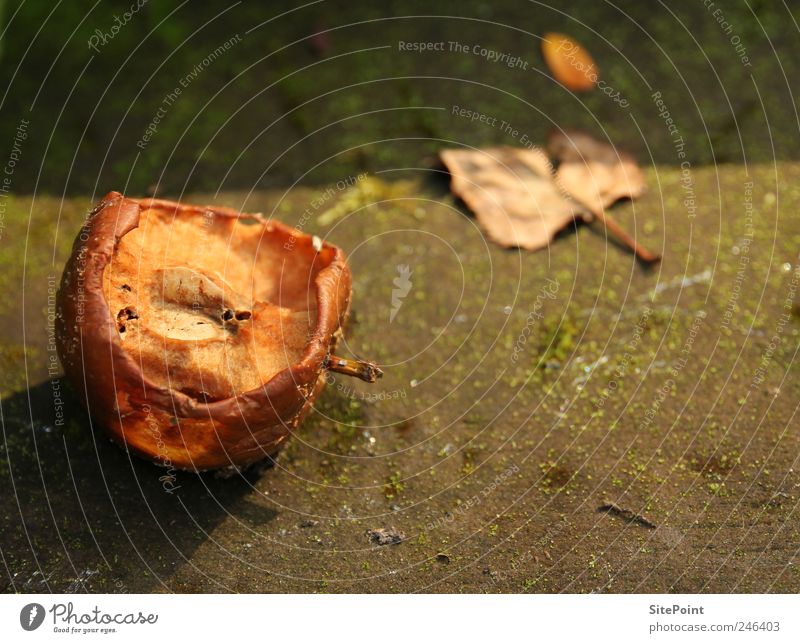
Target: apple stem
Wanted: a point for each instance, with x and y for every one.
(367, 371)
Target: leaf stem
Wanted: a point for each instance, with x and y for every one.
(624, 238)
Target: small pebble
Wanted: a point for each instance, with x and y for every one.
(384, 536)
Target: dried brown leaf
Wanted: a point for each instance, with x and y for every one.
(512, 193)
(594, 173)
(597, 175)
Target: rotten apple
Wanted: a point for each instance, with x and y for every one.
(199, 336)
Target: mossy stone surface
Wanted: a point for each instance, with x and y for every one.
(506, 417)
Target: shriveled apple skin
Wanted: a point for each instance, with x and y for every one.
(167, 426)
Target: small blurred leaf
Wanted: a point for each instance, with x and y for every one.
(570, 64)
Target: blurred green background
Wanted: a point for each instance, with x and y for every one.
(303, 91)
